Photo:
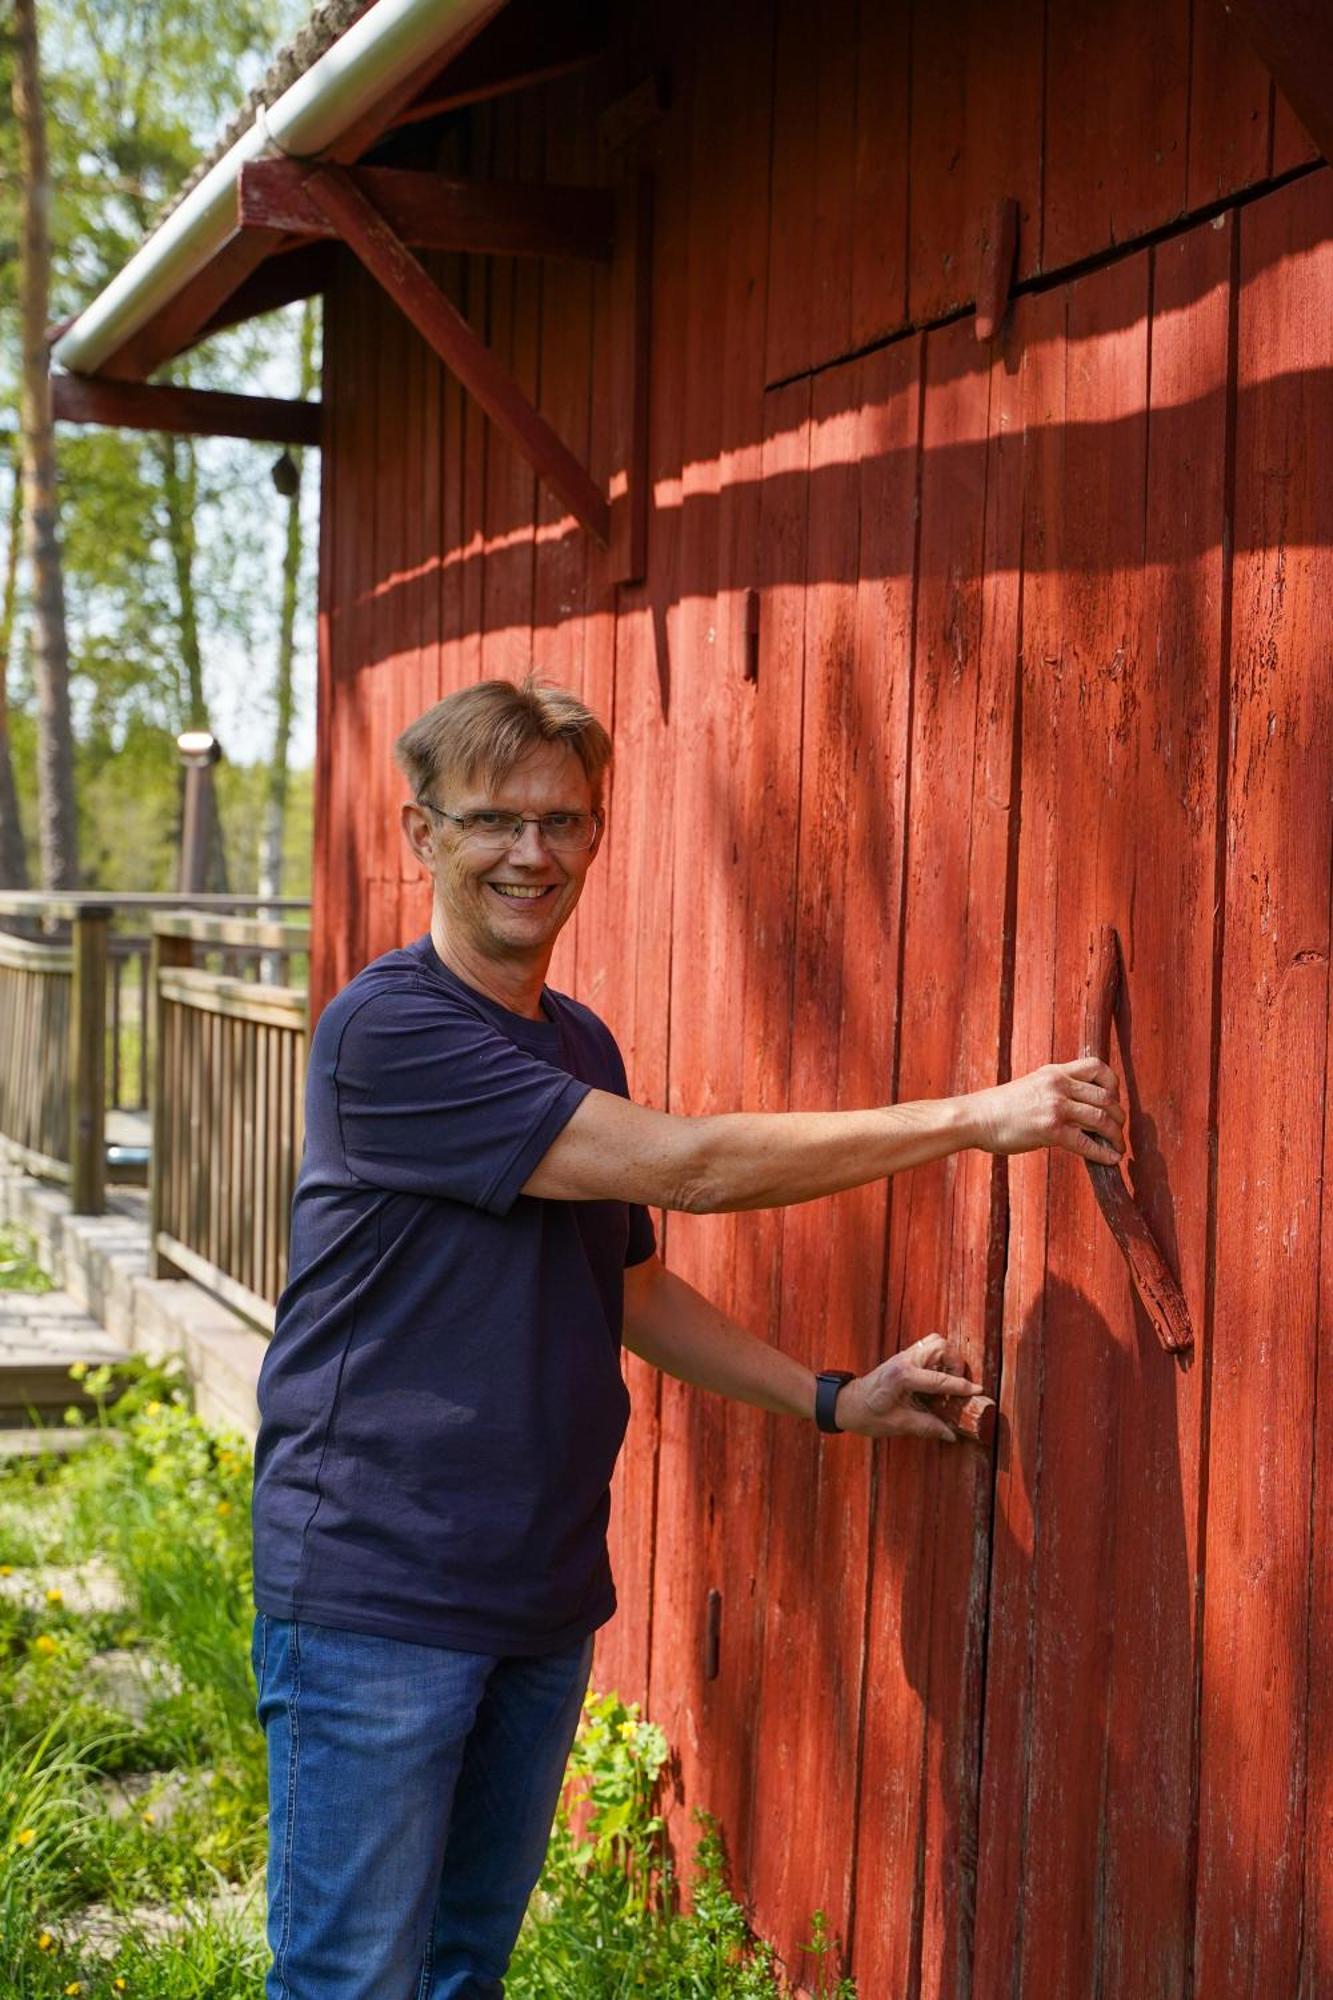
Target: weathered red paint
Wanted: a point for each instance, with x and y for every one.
(1040, 647)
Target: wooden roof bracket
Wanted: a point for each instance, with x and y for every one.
(1294, 41)
(178, 411)
(616, 519)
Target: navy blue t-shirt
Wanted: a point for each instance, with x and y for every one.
(441, 1404)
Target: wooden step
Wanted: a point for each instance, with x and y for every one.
(42, 1335)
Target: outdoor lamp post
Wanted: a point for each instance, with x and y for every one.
(199, 752)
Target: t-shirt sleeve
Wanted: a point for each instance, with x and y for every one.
(432, 1100)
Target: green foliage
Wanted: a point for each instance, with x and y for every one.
(606, 1921)
(163, 1500)
(19, 1269)
(135, 94)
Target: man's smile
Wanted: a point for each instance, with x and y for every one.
(523, 892)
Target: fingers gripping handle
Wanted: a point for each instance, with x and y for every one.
(1156, 1285)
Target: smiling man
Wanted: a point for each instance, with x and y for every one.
(442, 1401)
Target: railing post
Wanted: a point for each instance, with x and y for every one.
(87, 1061)
(165, 951)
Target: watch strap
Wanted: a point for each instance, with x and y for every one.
(827, 1386)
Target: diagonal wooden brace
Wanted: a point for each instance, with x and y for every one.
(334, 191)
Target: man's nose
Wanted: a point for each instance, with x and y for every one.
(529, 846)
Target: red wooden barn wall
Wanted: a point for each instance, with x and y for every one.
(1043, 644)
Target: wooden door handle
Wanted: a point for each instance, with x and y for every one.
(1158, 1289)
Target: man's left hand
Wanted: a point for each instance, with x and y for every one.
(884, 1402)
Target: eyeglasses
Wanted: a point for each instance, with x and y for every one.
(568, 832)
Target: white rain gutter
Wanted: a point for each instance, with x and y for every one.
(377, 52)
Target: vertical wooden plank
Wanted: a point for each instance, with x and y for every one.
(710, 1520)
(977, 132)
(417, 683)
(1093, 652)
(87, 1062)
(1170, 783)
(704, 988)
(814, 173)
(1037, 344)
(1274, 1019)
(918, 1835)
(879, 248)
(1231, 108)
(511, 486)
(1085, 1881)
(852, 783)
(639, 854)
(1116, 90)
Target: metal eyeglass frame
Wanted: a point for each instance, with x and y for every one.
(520, 820)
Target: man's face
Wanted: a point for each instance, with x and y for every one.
(512, 903)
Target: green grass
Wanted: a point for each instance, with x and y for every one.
(163, 1502)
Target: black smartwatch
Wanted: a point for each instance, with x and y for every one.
(827, 1386)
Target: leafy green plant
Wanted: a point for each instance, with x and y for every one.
(19, 1269)
(607, 1920)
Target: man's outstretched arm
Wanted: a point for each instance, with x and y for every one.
(612, 1150)
(681, 1332)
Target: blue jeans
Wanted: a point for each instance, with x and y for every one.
(411, 1794)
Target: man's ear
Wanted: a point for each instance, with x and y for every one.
(417, 831)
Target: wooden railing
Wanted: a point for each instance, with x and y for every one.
(228, 1094)
(74, 1027)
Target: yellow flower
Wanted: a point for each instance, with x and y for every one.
(153, 1409)
(77, 1370)
(75, 1986)
(6, 1569)
(55, 1596)
(626, 1731)
(25, 1836)
(148, 1817)
(44, 1643)
(45, 1941)
(224, 1506)
(120, 1985)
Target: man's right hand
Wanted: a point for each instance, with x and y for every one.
(1075, 1105)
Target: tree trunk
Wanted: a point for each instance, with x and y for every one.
(13, 860)
(179, 486)
(57, 821)
(275, 797)
(178, 492)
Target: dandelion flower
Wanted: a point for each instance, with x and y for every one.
(6, 1569)
(75, 1986)
(25, 1836)
(224, 1506)
(153, 1409)
(54, 1596)
(45, 1941)
(44, 1643)
(149, 1817)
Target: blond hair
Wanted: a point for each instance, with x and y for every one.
(485, 730)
